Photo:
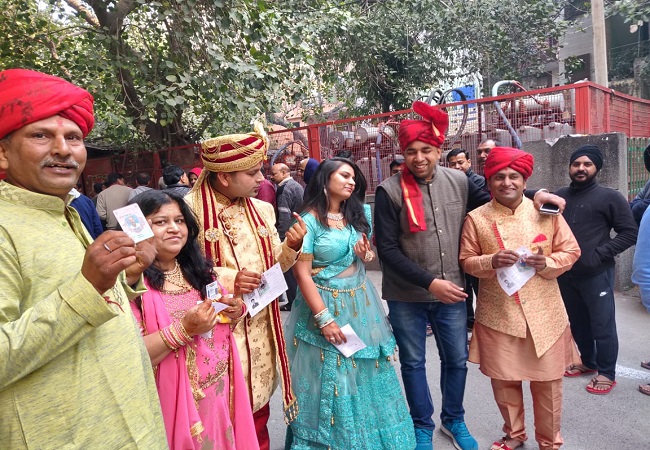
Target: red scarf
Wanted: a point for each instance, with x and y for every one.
(413, 201)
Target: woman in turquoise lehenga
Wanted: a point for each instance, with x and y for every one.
(345, 403)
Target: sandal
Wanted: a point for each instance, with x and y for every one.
(575, 370)
(645, 364)
(595, 384)
(644, 389)
(501, 445)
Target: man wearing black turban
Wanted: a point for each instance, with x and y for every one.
(592, 211)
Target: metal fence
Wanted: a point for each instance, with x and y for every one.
(637, 176)
(582, 108)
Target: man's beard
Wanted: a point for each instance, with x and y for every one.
(584, 182)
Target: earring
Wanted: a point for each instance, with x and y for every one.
(325, 191)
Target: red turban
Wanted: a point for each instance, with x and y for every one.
(431, 129)
(27, 96)
(500, 158)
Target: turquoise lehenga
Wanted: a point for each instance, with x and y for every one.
(345, 403)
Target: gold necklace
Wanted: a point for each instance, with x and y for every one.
(175, 277)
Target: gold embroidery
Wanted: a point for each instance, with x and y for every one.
(232, 223)
(306, 257)
(211, 378)
(193, 372)
(196, 430)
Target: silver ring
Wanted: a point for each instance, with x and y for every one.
(107, 248)
(332, 339)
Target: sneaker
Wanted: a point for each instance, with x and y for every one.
(423, 439)
(459, 435)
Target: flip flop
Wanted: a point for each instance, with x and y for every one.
(576, 370)
(645, 364)
(644, 389)
(595, 382)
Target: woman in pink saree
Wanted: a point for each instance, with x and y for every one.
(200, 382)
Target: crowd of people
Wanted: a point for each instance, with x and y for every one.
(149, 360)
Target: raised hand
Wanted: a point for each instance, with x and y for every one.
(145, 254)
(363, 249)
(111, 253)
(199, 319)
(296, 233)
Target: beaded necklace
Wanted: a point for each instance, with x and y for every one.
(337, 218)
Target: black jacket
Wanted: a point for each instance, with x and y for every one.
(592, 211)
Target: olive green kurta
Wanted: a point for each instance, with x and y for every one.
(74, 373)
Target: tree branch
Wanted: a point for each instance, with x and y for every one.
(85, 12)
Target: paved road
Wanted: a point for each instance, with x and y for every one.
(618, 421)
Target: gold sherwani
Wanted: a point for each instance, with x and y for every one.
(540, 306)
(239, 246)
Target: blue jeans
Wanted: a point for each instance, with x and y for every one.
(449, 325)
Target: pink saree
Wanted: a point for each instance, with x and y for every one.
(203, 393)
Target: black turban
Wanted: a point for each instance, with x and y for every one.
(590, 151)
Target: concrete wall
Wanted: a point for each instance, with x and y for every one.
(552, 172)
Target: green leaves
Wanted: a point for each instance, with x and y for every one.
(168, 72)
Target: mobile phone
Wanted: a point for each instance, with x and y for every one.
(549, 208)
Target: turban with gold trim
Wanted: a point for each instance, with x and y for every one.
(431, 129)
(235, 152)
(500, 158)
(27, 96)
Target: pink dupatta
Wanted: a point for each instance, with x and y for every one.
(182, 420)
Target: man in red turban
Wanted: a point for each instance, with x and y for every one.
(27, 96)
(430, 129)
(65, 318)
(520, 332)
(418, 217)
(500, 158)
